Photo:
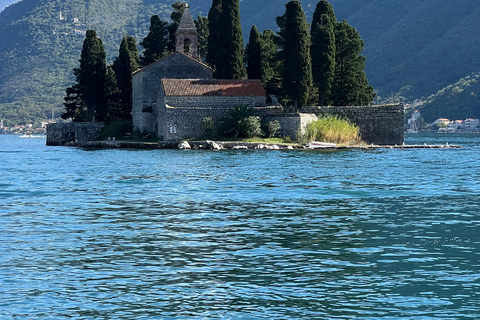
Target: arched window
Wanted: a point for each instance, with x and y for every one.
(186, 45)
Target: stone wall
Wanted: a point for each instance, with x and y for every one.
(186, 122)
(379, 124)
(293, 124)
(146, 86)
(59, 134)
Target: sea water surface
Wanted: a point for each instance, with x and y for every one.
(167, 234)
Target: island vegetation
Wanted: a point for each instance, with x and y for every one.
(413, 52)
(318, 63)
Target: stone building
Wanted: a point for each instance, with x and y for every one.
(173, 95)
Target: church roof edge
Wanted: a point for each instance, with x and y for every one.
(168, 56)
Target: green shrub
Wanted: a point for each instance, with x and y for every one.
(332, 129)
(117, 128)
(252, 127)
(207, 126)
(241, 123)
(273, 127)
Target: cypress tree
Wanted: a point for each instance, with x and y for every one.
(124, 65)
(297, 69)
(85, 99)
(176, 15)
(323, 51)
(112, 96)
(73, 102)
(271, 64)
(214, 46)
(202, 37)
(351, 84)
(156, 42)
(253, 53)
(230, 64)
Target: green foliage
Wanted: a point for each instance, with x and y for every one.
(177, 13)
(117, 128)
(297, 68)
(252, 127)
(332, 129)
(351, 85)
(39, 50)
(229, 62)
(214, 47)
(85, 99)
(112, 96)
(202, 37)
(91, 76)
(208, 126)
(273, 127)
(253, 55)
(156, 42)
(241, 123)
(124, 65)
(414, 53)
(271, 64)
(323, 51)
(456, 101)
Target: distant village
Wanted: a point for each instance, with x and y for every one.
(416, 123)
(24, 129)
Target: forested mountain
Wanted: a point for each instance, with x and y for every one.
(413, 47)
(456, 102)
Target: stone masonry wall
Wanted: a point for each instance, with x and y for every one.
(146, 85)
(379, 124)
(63, 133)
(293, 124)
(186, 122)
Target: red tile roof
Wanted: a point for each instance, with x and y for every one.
(216, 87)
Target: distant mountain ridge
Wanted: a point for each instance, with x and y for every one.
(413, 47)
(4, 3)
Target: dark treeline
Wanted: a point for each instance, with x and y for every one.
(318, 63)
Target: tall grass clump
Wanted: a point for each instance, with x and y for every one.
(332, 129)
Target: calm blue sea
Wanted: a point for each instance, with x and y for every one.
(166, 234)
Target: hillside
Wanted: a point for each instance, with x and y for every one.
(413, 47)
(458, 101)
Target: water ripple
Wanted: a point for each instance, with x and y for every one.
(232, 235)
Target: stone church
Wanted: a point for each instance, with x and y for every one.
(173, 95)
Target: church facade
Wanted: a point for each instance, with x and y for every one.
(172, 96)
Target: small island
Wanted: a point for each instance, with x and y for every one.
(197, 90)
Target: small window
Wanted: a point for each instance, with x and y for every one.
(186, 45)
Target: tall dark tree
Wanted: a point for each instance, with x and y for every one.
(297, 69)
(74, 105)
(202, 37)
(112, 96)
(230, 65)
(85, 99)
(176, 15)
(271, 64)
(254, 55)
(124, 65)
(351, 85)
(323, 51)
(214, 47)
(156, 42)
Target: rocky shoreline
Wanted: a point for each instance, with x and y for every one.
(235, 145)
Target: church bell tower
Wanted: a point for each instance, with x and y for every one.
(186, 35)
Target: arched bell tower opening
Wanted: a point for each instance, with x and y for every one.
(186, 35)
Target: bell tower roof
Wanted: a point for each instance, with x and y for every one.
(186, 23)
(186, 40)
